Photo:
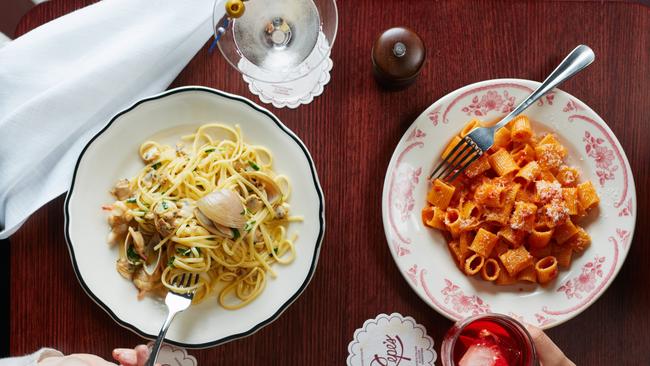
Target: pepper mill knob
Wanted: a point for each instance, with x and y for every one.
(397, 57)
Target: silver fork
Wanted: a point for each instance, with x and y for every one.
(176, 303)
(474, 144)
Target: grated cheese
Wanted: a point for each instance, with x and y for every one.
(556, 211)
(550, 158)
(548, 191)
(516, 224)
(519, 217)
(466, 223)
(569, 177)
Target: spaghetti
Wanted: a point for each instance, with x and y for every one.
(215, 216)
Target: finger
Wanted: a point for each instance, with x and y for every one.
(142, 353)
(125, 356)
(548, 353)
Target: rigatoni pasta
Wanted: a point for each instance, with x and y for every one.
(546, 269)
(440, 194)
(502, 162)
(520, 129)
(490, 270)
(473, 264)
(512, 215)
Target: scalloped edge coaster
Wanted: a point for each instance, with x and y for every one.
(173, 355)
(391, 340)
(293, 93)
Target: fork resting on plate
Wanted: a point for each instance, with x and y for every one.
(480, 139)
(176, 302)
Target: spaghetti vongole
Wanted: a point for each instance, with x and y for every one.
(214, 212)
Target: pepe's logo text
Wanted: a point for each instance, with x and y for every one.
(394, 352)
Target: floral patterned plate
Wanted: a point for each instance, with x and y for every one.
(421, 253)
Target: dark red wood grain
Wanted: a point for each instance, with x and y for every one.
(351, 131)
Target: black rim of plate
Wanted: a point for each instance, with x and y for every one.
(319, 240)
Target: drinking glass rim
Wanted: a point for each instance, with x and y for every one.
(447, 357)
(323, 58)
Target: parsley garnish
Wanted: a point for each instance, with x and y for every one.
(156, 166)
(209, 150)
(243, 212)
(235, 233)
(130, 200)
(275, 250)
(164, 205)
(132, 255)
(253, 165)
(170, 262)
(187, 252)
(249, 225)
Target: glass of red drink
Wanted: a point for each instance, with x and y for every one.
(488, 340)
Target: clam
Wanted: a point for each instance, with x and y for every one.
(166, 218)
(125, 268)
(152, 256)
(223, 207)
(138, 242)
(281, 211)
(132, 256)
(213, 227)
(253, 204)
(266, 184)
(186, 207)
(150, 154)
(122, 190)
(145, 282)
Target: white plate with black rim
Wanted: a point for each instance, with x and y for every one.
(113, 154)
(421, 253)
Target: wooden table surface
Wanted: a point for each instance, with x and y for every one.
(351, 131)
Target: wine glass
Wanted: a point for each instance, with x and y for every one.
(277, 44)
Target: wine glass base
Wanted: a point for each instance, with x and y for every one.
(293, 93)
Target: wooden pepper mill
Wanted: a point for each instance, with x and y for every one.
(397, 57)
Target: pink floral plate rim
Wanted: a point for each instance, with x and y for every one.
(605, 164)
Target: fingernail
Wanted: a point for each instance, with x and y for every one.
(129, 358)
(125, 355)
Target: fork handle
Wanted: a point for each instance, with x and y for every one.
(581, 57)
(161, 337)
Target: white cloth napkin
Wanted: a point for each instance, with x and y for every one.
(63, 81)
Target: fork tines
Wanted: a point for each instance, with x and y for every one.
(459, 158)
(186, 280)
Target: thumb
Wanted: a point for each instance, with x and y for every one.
(143, 353)
(547, 352)
(125, 356)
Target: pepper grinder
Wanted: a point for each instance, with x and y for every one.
(397, 57)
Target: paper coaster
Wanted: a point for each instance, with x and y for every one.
(171, 355)
(294, 93)
(391, 340)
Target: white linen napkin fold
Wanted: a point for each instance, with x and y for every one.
(63, 81)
